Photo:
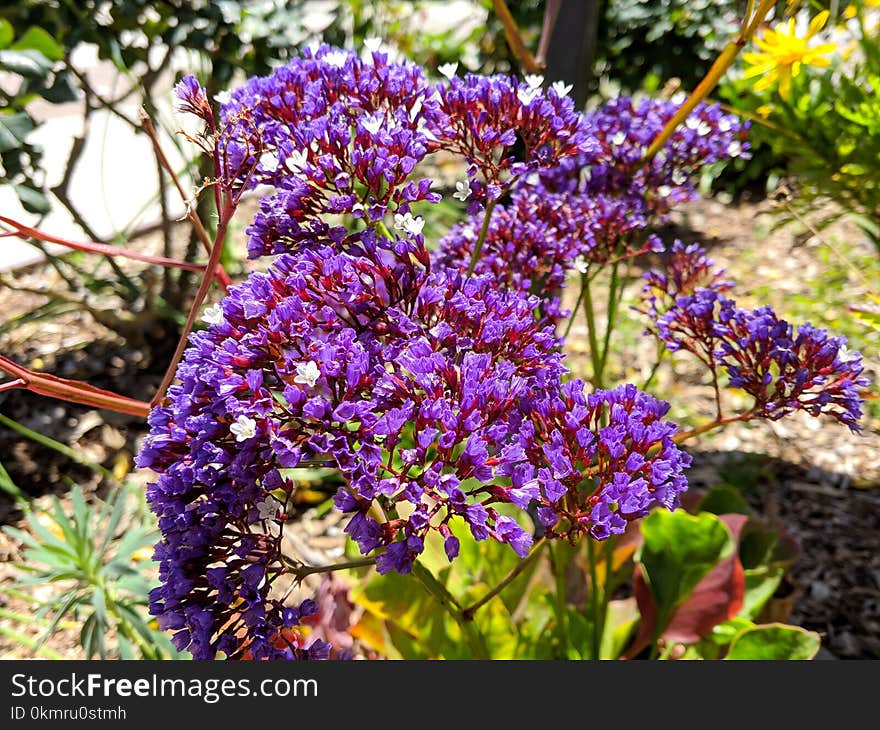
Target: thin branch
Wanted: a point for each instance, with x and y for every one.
(514, 39)
(301, 570)
(73, 391)
(94, 247)
(201, 232)
(716, 72)
(468, 613)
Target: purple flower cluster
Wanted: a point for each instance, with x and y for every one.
(784, 370)
(437, 394)
(484, 116)
(532, 243)
(415, 386)
(338, 134)
(686, 268)
(781, 369)
(624, 129)
(608, 458)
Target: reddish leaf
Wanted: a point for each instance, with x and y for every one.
(716, 598)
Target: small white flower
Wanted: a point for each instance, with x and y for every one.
(735, 148)
(533, 178)
(462, 190)
(267, 509)
(844, 354)
(692, 122)
(664, 191)
(296, 160)
(372, 124)
(213, 314)
(336, 59)
(416, 109)
(703, 129)
(534, 80)
(678, 98)
(223, 97)
(307, 373)
(561, 88)
(581, 264)
(527, 94)
(679, 177)
(619, 138)
(406, 222)
(724, 125)
(269, 161)
(372, 44)
(448, 70)
(244, 428)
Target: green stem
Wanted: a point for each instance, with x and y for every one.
(383, 229)
(607, 589)
(591, 332)
(661, 355)
(468, 613)
(615, 290)
(57, 446)
(594, 599)
(469, 631)
(561, 601)
(301, 571)
(484, 229)
(574, 311)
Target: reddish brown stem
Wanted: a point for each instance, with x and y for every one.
(514, 39)
(191, 213)
(202, 292)
(23, 231)
(71, 390)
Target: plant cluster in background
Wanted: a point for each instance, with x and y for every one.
(434, 383)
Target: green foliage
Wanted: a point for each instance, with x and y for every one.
(678, 551)
(826, 134)
(30, 59)
(700, 572)
(94, 557)
(648, 42)
(774, 641)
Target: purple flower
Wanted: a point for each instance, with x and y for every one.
(786, 370)
(609, 458)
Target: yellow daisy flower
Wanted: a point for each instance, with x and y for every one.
(783, 53)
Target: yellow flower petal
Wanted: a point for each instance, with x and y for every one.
(817, 23)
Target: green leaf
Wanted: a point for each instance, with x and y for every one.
(37, 39)
(33, 201)
(724, 499)
(775, 641)
(761, 584)
(6, 33)
(14, 129)
(679, 549)
(62, 89)
(31, 64)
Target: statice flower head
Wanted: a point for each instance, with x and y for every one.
(193, 98)
(482, 119)
(338, 134)
(624, 129)
(685, 269)
(603, 459)
(786, 370)
(533, 242)
(413, 384)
